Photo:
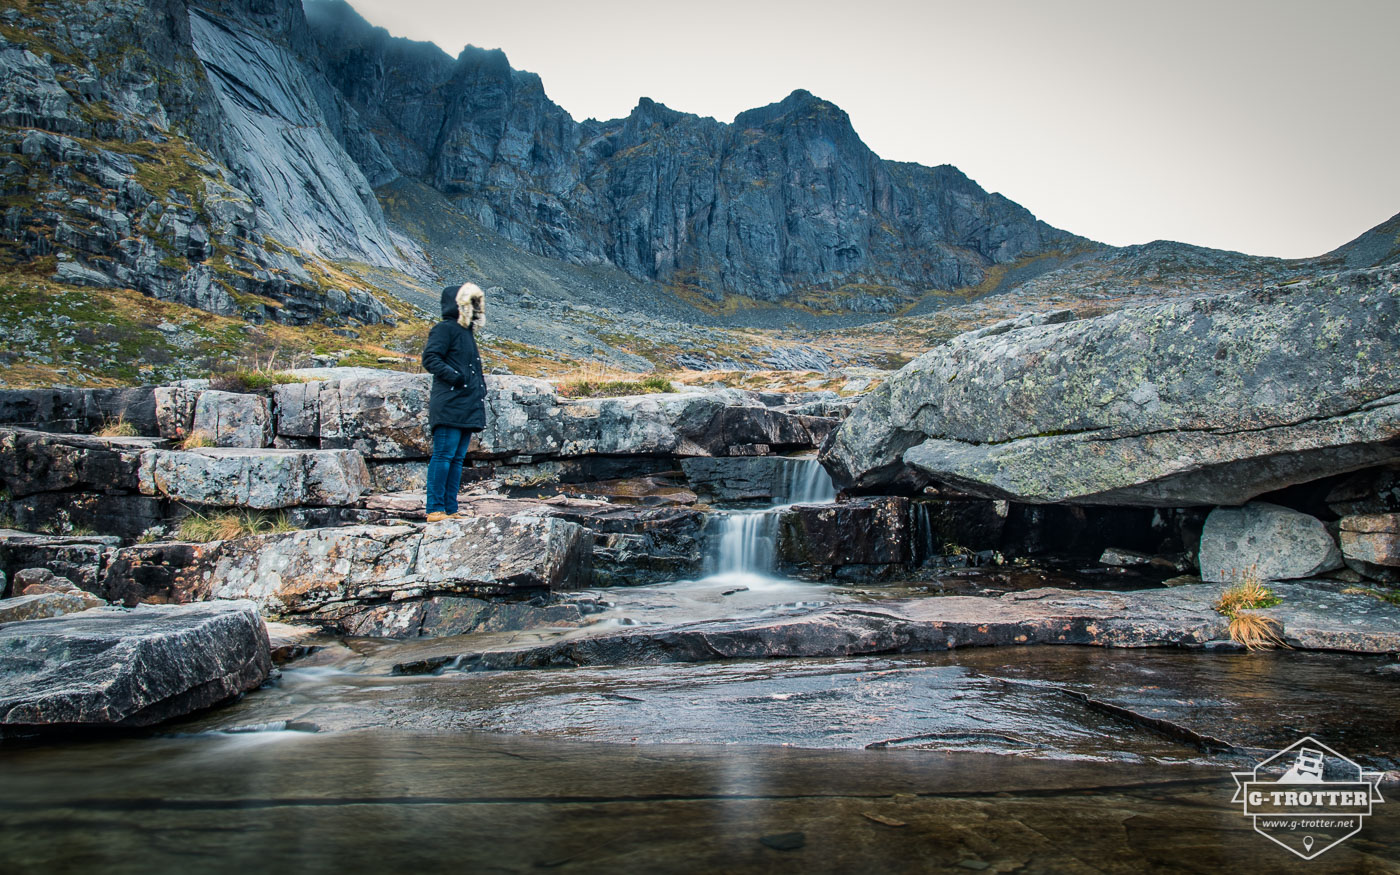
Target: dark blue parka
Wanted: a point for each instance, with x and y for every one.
(450, 355)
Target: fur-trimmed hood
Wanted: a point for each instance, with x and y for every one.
(465, 303)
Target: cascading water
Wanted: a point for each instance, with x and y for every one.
(747, 540)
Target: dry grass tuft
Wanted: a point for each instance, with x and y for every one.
(118, 427)
(231, 525)
(196, 439)
(1256, 632)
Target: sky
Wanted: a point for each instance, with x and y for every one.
(1264, 126)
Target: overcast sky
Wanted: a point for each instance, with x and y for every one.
(1267, 126)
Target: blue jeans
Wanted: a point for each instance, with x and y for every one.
(450, 446)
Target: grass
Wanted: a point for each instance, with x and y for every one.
(230, 525)
(1250, 593)
(249, 380)
(1254, 631)
(196, 440)
(118, 427)
(597, 381)
(1392, 597)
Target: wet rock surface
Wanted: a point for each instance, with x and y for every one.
(114, 667)
(1315, 615)
(1204, 402)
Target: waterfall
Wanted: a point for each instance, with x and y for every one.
(805, 481)
(746, 541)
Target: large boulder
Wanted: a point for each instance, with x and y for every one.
(263, 479)
(1267, 542)
(1209, 401)
(137, 667)
(330, 574)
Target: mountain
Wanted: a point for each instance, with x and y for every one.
(276, 164)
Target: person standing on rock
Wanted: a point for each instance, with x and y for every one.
(457, 406)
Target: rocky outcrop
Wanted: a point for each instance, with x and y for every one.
(383, 415)
(32, 462)
(203, 169)
(442, 616)
(77, 558)
(1213, 401)
(1265, 542)
(261, 479)
(333, 574)
(63, 409)
(120, 668)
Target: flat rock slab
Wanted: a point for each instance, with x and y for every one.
(37, 606)
(255, 478)
(123, 668)
(1315, 615)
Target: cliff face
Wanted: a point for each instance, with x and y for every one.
(186, 151)
(786, 198)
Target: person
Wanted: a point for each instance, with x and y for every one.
(457, 405)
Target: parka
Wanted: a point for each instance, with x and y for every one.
(459, 390)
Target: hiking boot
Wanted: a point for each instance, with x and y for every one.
(436, 516)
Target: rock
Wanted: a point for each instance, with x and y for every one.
(33, 462)
(233, 419)
(174, 410)
(114, 667)
(1376, 490)
(383, 415)
(78, 559)
(1371, 545)
(160, 573)
(1373, 538)
(329, 574)
(1314, 615)
(443, 616)
(769, 479)
(1265, 541)
(1210, 401)
(263, 479)
(38, 605)
(63, 409)
(1116, 558)
(124, 516)
(860, 538)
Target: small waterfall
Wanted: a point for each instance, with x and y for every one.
(746, 541)
(805, 481)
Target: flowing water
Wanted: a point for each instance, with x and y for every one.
(747, 540)
(1041, 759)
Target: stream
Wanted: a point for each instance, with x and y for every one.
(1033, 759)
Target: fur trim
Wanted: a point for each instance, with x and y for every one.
(471, 306)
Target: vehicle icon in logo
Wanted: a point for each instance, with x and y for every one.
(1307, 797)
